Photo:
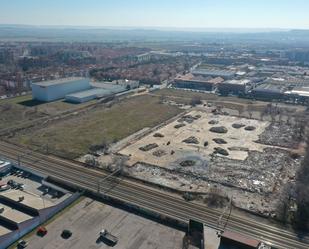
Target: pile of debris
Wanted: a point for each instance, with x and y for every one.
(238, 126)
(159, 153)
(221, 151)
(177, 126)
(219, 141)
(188, 118)
(250, 128)
(187, 163)
(218, 129)
(213, 122)
(282, 135)
(191, 140)
(149, 147)
(158, 135)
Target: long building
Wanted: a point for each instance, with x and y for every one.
(47, 91)
(214, 72)
(189, 81)
(236, 87)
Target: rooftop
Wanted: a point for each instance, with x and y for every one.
(58, 81)
(265, 87)
(237, 82)
(99, 92)
(4, 164)
(13, 214)
(201, 79)
(30, 199)
(216, 71)
(303, 91)
(4, 230)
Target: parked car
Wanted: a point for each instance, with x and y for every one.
(106, 235)
(10, 182)
(42, 231)
(66, 234)
(20, 186)
(22, 244)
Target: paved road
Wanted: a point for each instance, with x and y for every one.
(148, 198)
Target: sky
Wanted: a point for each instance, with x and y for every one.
(288, 14)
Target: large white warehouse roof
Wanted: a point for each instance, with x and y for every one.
(57, 81)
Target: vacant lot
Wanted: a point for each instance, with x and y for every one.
(237, 141)
(12, 114)
(73, 137)
(248, 159)
(89, 217)
(21, 110)
(243, 106)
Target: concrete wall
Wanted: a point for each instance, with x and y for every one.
(47, 213)
(58, 91)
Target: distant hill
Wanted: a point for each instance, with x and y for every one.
(110, 34)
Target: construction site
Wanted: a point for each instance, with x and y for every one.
(213, 156)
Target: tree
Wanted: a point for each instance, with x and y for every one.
(301, 219)
(195, 101)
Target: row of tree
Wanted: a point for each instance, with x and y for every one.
(301, 219)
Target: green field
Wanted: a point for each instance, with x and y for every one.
(73, 137)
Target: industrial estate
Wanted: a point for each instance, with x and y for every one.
(167, 144)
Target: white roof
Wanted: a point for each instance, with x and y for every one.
(238, 82)
(58, 81)
(4, 164)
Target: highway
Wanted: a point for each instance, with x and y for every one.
(146, 197)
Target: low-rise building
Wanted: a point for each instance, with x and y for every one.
(237, 87)
(214, 72)
(26, 202)
(4, 167)
(298, 95)
(189, 81)
(268, 91)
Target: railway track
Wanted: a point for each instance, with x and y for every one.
(146, 197)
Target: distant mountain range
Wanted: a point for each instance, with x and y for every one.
(109, 34)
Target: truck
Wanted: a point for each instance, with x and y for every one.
(104, 234)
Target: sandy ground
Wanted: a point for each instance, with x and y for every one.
(252, 174)
(199, 129)
(87, 218)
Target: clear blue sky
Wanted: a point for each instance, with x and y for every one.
(158, 13)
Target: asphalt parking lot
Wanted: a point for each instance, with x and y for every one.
(87, 218)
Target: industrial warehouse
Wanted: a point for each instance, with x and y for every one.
(26, 201)
(79, 90)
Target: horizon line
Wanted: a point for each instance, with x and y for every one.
(168, 28)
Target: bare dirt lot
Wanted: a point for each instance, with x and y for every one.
(86, 219)
(176, 137)
(245, 159)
